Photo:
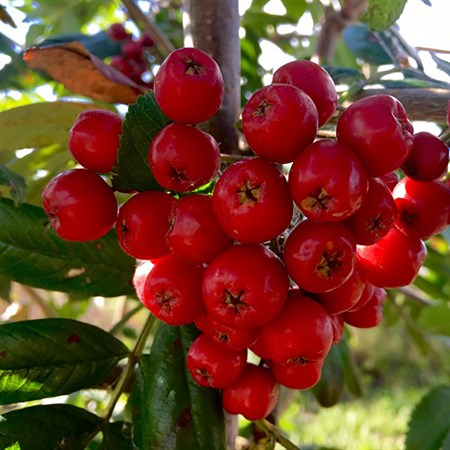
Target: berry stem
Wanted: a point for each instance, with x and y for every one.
(271, 429)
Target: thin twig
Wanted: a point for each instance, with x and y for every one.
(146, 23)
(271, 429)
(126, 317)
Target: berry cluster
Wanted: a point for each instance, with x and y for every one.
(271, 262)
(132, 61)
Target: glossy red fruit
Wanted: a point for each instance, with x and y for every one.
(378, 130)
(394, 261)
(428, 159)
(142, 224)
(423, 207)
(279, 121)
(315, 81)
(141, 272)
(297, 375)
(183, 158)
(213, 366)
(94, 139)
(172, 290)
(254, 394)
(80, 205)
(230, 338)
(302, 332)
(365, 296)
(320, 257)
(194, 232)
(327, 182)
(371, 314)
(251, 201)
(189, 86)
(390, 180)
(375, 217)
(337, 320)
(245, 286)
(118, 32)
(345, 296)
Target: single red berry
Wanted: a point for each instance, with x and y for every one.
(230, 338)
(146, 40)
(327, 182)
(142, 224)
(132, 50)
(375, 217)
(172, 290)
(394, 261)
(390, 180)
(302, 332)
(141, 272)
(320, 257)
(279, 121)
(344, 297)
(194, 232)
(371, 314)
(377, 129)
(128, 67)
(118, 32)
(365, 296)
(94, 139)
(254, 394)
(297, 375)
(428, 159)
(423, 207)
(189, 86)
(214, 366)
(80, 205)
(315, 81)
(245, 286)
(183, 158)
(251, 201)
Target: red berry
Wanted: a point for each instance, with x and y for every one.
(172, 290)
(394, 261)
(146, 40)
(132, 50)
(365, 296)
(94, 139)
(118, 32)
(302, 332)
(337, 320)
(254, 394)
(375, 217)
(183, 158)
(189, 86)
(320, 257)
(377, 129)
(230, 338)
(344, 297)
(297, 375)
(327, 182)
(213, 366)
(279, 121)
(251, 201)
(428, 159)
(315, 81)
(371, 314)
(423, 207)
(142, 224)
(80, 205)
(390, 180)
(194, 232)
(141, 272)
(245, 286)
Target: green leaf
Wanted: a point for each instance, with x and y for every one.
(142, 122)
(15, 182)
(352, 377)
(39, 124)
(430, 421)
(117, 436)
(49, 357)
(381, 14)
(172, 411)
(32, 253)
(50, 427)
(435, 319)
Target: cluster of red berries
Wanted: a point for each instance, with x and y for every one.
(133, 60)
(269, 262)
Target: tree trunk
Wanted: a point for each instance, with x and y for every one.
(213, 26)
